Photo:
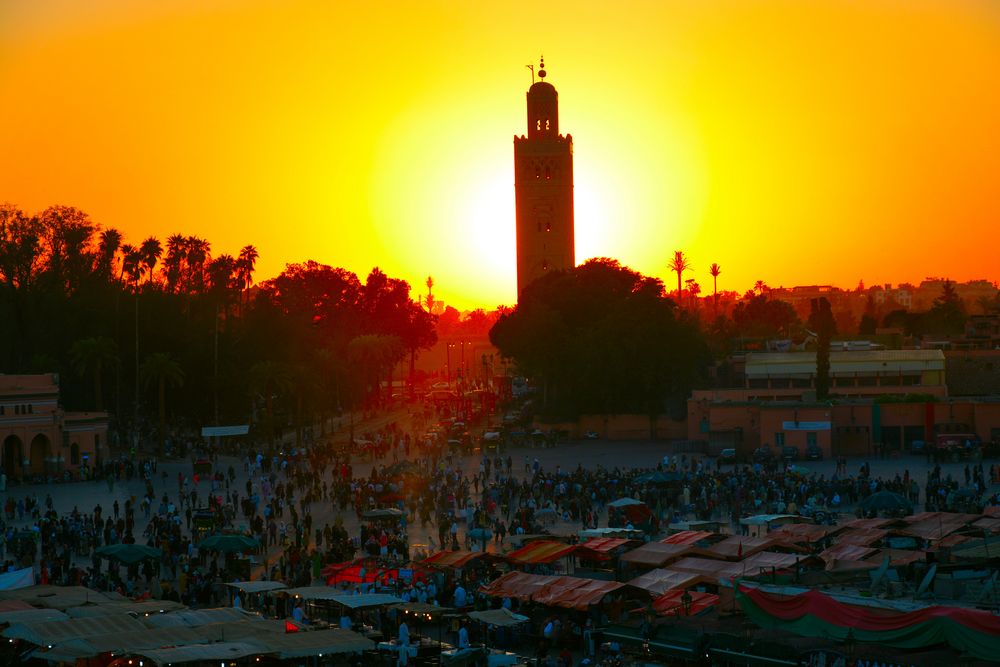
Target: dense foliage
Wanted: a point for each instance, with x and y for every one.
(602, 338)
(125, 324)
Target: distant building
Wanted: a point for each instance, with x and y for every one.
(777, 405)
(39, 437)
(782, 375)
(543, 186)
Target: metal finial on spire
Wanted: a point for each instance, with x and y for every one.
(541, 67)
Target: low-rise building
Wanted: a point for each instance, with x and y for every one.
(38, 437)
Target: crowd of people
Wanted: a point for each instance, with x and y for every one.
(308, 507)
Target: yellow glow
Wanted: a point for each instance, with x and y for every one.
(794, 142)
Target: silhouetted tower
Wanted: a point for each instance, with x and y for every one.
(543, 186)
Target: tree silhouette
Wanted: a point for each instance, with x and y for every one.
(679, 265)
(601, 338)
(150, 252)
(92, 355)
(245, 265)
(715, 270)
(160, 369)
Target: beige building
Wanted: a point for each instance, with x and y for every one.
(38, 437)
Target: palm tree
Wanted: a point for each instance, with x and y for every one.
(198, 252)
(150, 252)
(91, 355)
(161, 369)
(174, 261)
(715, 270)
(128, 255)
(679, 265)
(245, 266)
(760, 287)
(430, 294)
(111, 240)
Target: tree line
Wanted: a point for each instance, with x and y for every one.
(125, 324)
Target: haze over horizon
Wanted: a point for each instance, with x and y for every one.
(819, 143)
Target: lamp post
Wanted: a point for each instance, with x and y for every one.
(447, 363)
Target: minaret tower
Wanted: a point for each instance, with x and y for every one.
(543, 187)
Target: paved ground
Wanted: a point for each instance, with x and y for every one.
(589, 454)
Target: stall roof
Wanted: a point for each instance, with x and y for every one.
(201, 652)
(453, 559)
(257, 586)
(657, 554)
(687, 537)
(53, 632)
(748, 567)
(568, 592)
(500, 617)
(743, 546)
(936, 525)
(314, 642)
(517, 585)
(576, 593)
(864, 524)
(540, 552)
(366, 600)
(671, 604)
(661, 580)
(196, 617)
(991, 524)
(898, 557)
(864, 537)
(60, 597)
(604, 545)
(14, 605)
(116, 608)
(802, 532)
(845, 551)
(32, 615)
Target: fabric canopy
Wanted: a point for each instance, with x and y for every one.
(540, 552)
(657, 554)
(499, 617)
(568, 592)
(741, 546)
(936, 525)
(600, 548)
(802, 532)
(815, 614)
(864, 537)
(453, 559)
(846, 551)
(10, 581)
(659, 581)
(672, 604)
(687, 537)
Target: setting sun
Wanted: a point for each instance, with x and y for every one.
(383, 134)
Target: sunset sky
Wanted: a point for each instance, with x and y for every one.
(795, 141)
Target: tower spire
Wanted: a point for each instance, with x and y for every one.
(541, 68)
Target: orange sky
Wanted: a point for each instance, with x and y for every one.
(796, 142)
